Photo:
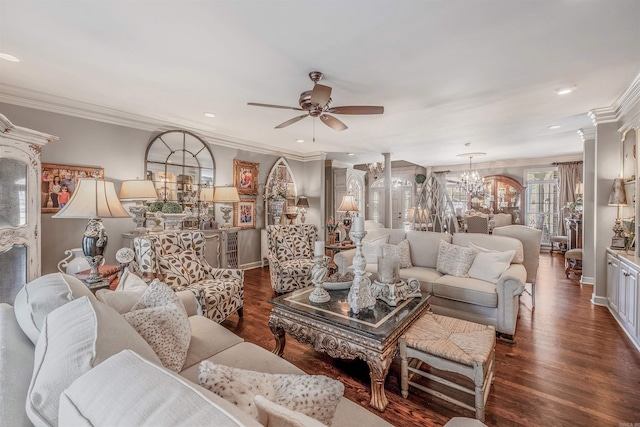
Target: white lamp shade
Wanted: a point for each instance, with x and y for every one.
(348, 204)
(137, 190)
(226, 195)
(580, 188)
(206, 194)
(93, 198)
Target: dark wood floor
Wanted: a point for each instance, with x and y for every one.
(571, 365)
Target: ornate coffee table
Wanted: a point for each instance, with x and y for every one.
(371, 336)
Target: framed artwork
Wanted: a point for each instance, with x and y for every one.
(244, 213)
(245, 177)
(58, 183)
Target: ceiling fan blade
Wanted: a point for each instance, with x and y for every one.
(332, 122)
(255, 104)
(291, 121)
(356, 109)
(320, 95)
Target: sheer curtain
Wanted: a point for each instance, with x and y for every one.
(568, 177)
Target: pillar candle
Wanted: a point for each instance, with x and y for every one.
(319, 249)
(358, 224)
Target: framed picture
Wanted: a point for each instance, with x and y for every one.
(244, 213)
(245, 177)
(59, 182)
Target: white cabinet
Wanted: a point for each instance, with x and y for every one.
(623, 294)
(20, 187)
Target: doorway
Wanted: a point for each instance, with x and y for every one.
(402, 198)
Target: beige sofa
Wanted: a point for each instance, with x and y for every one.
(127, 388)
(460, 297)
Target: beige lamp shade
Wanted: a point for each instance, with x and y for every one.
(348, 204)
(206, 194)
(226, 195)
(93, 198)
(303, 202)
(137, 190)
(618, 196)
(580, 188)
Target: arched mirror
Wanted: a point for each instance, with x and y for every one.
(280, 194)
(179, 163)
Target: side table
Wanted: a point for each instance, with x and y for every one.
(334, 248)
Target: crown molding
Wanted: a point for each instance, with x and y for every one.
(627, 101)
(496, 164)
(82, 110)
(603, 115)
(587, 134)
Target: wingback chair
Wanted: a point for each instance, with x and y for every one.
(178, 260)
(530, 238)
(291, 255)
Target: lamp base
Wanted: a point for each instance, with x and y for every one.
(226, 216)
(94, 244)
(139, 212)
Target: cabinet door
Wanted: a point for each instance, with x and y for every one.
(613, 278)
(631, 306)
(622, 292)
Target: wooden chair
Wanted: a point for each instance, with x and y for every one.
(477, 224)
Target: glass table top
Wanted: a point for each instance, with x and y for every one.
(378, 322)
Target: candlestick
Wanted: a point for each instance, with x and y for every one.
(360, 296)
(319, 249)
(318, 274)
(358, 224)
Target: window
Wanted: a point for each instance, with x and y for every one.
(542, 201)
(355, 188)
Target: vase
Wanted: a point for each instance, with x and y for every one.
(277, 209)
(332, 239)
(173, 221)
(74, 262)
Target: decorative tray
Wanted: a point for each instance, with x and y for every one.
(340, 282)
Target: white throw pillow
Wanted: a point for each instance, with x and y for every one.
(372, 249)
(161, 319)
(454, 259)
(41, 296)
(316, 396)
(400, 251)
(76, 337)
(488, 264)
(120, 301)
(130, 282)
(272, 415)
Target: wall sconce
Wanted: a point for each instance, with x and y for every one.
(303, 205)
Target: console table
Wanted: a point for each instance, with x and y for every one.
(329, 327)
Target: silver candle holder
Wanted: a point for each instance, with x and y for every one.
(318, 275)
(360, 296)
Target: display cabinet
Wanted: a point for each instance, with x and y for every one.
(20, 172)
(501, 194)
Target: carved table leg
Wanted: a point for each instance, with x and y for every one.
(378, 370)
(279, 336)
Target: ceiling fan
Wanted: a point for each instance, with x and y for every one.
(317, 103)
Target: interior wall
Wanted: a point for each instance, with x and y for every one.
(120, 151)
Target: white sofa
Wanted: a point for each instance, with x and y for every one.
(128, 388)
(460, 297)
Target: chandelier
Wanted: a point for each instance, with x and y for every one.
(471, 181)
(375, 169)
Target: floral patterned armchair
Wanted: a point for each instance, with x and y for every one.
(291, 255)
(178, 260)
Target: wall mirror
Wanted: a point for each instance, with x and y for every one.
(280, 194)
(179, 163)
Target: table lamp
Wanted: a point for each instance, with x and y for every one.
(93, 199)
(303, 205)
(618, 198)
(139, 191)
(226, 195)
(347, 205)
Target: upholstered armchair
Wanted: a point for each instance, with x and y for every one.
(291, 255)
(178, 260)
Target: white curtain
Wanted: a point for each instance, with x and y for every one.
(568, 177)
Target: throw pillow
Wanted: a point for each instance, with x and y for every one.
(130, 282)
(161, 319)
(372, 249)
(41, 296)
(454, 259)
(488, 264)
(76, 337)
(120, 301)
(272, 415)
(182, 268)
(316, 396)
(292, 246)
(400, 251)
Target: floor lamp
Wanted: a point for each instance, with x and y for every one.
(347, 205)
(93, 199)
(226, 195)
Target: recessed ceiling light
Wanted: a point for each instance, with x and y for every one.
(350, 154)
(299, 141)
(210, 115)
(9, 57)
(553, 127)
(564, 90)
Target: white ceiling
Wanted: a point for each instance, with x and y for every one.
(447, 72)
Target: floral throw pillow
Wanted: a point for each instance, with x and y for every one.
(401, 251)
(316, 396)
(454, 259)
(182, 268)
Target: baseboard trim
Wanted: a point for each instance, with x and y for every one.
(251, 265)
(585, 280)
(635, 343)
(596, 300)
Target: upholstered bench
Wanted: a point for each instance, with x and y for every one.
(573, 261)
(453, 345)
(559, 244)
